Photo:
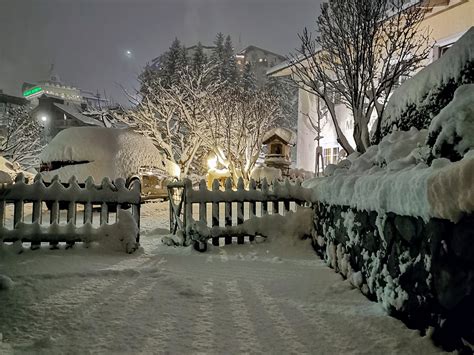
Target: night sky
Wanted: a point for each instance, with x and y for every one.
(87, 40)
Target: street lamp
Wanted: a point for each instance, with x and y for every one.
(44, 118)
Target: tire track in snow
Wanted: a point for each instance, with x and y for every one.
(280, 322)
(241, 317)
(42, 317)
(203, 339)
(118, 317)
(335, 339)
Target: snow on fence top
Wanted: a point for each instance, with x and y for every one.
(447, 67)
(107, 191)
(277, 191)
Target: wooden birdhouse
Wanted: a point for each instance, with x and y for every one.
(279, 142)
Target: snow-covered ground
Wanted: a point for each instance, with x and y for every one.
(270, 297)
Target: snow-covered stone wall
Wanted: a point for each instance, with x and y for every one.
(420, 271)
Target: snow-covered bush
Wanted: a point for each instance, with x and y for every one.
(265, 172)
(422, 97)
(452, 130)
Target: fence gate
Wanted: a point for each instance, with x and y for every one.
(226, 207)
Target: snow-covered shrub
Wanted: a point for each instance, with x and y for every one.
(265, 172)
(452, 130)
(422, 97)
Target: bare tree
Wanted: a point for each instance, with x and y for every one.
(362, 50)
(237, 121)
(318, 121)
(21, 138)
(173, 116)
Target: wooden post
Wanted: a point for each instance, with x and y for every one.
(54, 218)
(71, 219)
(215, 210)
(228, 210)
(202, 204)
(252, 204)
(104, 214)
(240, 209)
(36, 218)
(265, 197)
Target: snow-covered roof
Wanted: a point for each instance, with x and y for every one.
(285, 134)
(74, 111)
(103, 152)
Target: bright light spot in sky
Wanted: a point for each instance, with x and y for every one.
(44, 118)
(128, 53)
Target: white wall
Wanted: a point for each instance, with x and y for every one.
(306, 145)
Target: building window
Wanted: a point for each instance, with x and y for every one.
(331, 155)
(327, 156)
(442, 50)
(335, 155)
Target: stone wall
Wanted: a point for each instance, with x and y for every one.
(422, 273)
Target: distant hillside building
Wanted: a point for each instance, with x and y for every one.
(53, 87)
(56, 114)
(260, 61)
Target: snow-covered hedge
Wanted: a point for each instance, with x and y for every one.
(422, 97)
(394, 176)
(419, 271)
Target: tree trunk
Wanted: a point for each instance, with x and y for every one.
(341, 138)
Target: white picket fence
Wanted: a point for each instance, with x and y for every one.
(279, 197)
(56, 207)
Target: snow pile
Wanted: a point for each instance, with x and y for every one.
(265, 172)
(9, 171)
(394, 177)
(418, 89)
(454, 125)
(286, 229)
(103, 152)
(120, 236)
(6, 283)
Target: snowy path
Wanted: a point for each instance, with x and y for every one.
(255, 298)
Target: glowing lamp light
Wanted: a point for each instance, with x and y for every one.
(212, 162)
(44, 118)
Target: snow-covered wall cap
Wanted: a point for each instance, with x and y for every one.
(285, 134)
(415, 89)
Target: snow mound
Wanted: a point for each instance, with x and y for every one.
(6, 283)
(454, 125)
(394, 177)
(415, 90)
(102, 152)
(265, 172)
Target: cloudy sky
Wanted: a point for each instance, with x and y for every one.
(87, 40)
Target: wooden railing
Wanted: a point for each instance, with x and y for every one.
(56, 208)
(251, 202)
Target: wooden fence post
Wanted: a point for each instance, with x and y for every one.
(215, 211)
(240, 209)
(228, 210)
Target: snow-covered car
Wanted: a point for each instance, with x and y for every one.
(9, 171)
(108, 152)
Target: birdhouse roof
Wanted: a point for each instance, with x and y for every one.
(286, 135)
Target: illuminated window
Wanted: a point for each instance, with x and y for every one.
(327, 156)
